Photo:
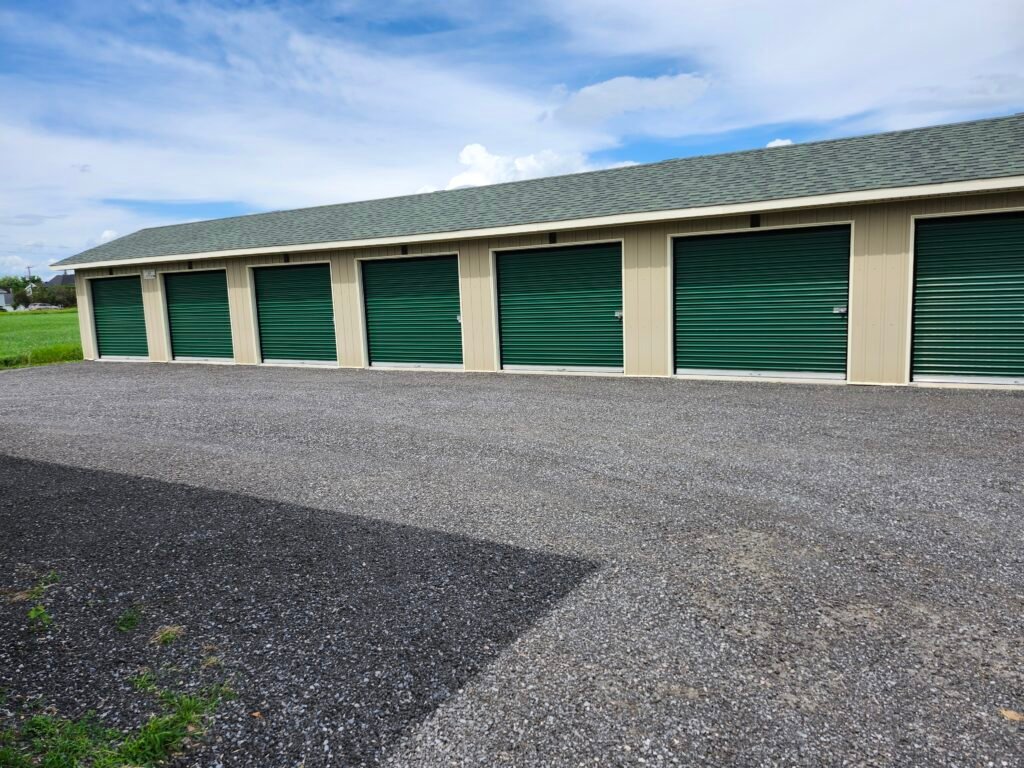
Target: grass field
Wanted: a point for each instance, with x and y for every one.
(38, 338)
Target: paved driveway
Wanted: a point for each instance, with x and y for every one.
(426, 569)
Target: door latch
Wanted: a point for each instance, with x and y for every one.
(618, 314)
(839, 310)
(458, 318)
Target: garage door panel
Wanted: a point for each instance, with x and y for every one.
(295, 313)
(969, 297)
(557, 307)
(118, 316)
(762, 301)
(412, 311)
(198, 315)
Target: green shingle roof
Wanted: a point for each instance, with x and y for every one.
(981, 149)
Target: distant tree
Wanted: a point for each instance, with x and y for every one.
(15, 283)
(62, 295)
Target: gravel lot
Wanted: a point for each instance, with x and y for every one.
(420, 569)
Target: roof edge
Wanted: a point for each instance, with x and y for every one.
(623, 219)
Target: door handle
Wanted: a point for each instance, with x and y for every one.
(618, 314)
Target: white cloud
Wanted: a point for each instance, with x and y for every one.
(322, 120)
(651, 103)
(482, 167)
(875, 64)
(107, 235)
(779, 143)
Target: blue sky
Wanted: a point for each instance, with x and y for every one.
(121, 115)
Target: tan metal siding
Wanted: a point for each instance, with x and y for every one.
(880, 286)
(881, 274)
(85, 324)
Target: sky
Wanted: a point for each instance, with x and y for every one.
(126, 114)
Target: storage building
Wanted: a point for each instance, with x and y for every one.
(896, 258)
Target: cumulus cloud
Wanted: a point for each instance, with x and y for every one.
(779, 143)
(107, 235)
(483, 167)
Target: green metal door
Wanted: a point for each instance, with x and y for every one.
(118, 317)
(561, 308)
(198, 316)
(295, 313)
(763, 302)
(969, 298)
(412, 311)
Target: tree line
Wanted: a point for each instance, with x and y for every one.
(61, 295)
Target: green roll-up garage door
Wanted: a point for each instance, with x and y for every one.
(198, 316)
(969, 298)
(561, 308)
(412, 311)
(763, 302)
(295, 313)
(119, 320)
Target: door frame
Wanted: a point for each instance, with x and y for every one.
(256, 320)
(167, 317)
(92, 321)
(984, 381)
(364, 334)
(496, 314)
(784, 376)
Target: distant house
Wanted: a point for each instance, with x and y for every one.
(58, 281)
(6, 299)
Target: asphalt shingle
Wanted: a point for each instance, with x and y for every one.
(981, 149)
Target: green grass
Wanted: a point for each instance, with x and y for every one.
(129, 620)
(39, 338)
(57, 742)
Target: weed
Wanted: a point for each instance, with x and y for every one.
(144, 681)
(167, 634)
(48, 740)
(129, 620)
(37, 591)
(210, 662)
(39, 618)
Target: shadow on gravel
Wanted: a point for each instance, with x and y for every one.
(339, 631)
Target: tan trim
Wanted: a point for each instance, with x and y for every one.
(840, 198)
(365, 334)
(255, 315)
(808, 225)
(908, 366)
(167, 313)
(549, 246)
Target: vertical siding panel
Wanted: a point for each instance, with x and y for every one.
(156, 318)
(645, 277)
(345, 294)
(631, 320)
(661, 329)
(85, 324)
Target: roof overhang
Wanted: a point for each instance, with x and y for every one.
(624, 219)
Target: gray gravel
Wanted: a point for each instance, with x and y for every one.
(580, 571)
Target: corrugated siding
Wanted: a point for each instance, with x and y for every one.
(119, 317)
(969, 296)
(412, 310)
(880, 286)
(295, 313)
(198, 314)
(557, 306)
(762, 300)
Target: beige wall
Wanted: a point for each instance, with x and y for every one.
(880, 275)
